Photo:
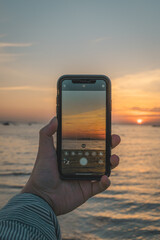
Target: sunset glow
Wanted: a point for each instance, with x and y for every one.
(92, 125)
(81, 120)
(34, 53)
(139, 121)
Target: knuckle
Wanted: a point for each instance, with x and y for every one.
(115, 157)
(42, 131)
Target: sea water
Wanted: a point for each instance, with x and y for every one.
(129, 209)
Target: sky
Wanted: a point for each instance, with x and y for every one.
(85, 112)
(42, 40)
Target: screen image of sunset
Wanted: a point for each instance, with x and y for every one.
(85, 111)
(84, 131)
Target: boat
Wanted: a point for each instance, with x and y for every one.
(6, 123)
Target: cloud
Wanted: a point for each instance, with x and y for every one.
(12, 76)
(2, 35)
(8, 57)
(6, 44)
(101, 39)
(153, 86)
(136, 95)
(155, 109)
(30, 88)
(148, 81)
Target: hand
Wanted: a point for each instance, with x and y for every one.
(62, 195)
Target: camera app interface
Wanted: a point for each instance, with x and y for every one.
(83, 128)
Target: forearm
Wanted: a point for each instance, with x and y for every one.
(27, 216)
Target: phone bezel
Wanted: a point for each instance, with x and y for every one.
(108, 124)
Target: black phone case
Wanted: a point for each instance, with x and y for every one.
(108, 124)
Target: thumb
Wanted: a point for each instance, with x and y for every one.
(45, 137)
(49, 129)
(101, 185)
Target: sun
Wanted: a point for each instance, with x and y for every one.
(139, 121)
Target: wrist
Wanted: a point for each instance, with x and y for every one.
(32, 189)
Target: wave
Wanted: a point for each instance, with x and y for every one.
(114, 199)
(113, 192)
(126, 220)
(128, 205)
(6, 163)
(14, 174)
(142, 207)
(2, 186)
(21, 153)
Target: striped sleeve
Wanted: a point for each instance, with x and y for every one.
(28, 217)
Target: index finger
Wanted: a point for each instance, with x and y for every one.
(115, 140)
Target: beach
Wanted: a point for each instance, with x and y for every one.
(129, 209)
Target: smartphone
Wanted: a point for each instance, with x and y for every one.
(84, 126)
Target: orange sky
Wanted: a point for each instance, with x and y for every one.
(137, 96)
(91, 124)
(133, 96)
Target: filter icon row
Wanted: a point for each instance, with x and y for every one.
(81, 153)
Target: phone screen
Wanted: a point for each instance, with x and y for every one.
(83, 128)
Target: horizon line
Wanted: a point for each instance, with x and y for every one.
(44, 121)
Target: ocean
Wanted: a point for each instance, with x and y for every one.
(129, 209)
